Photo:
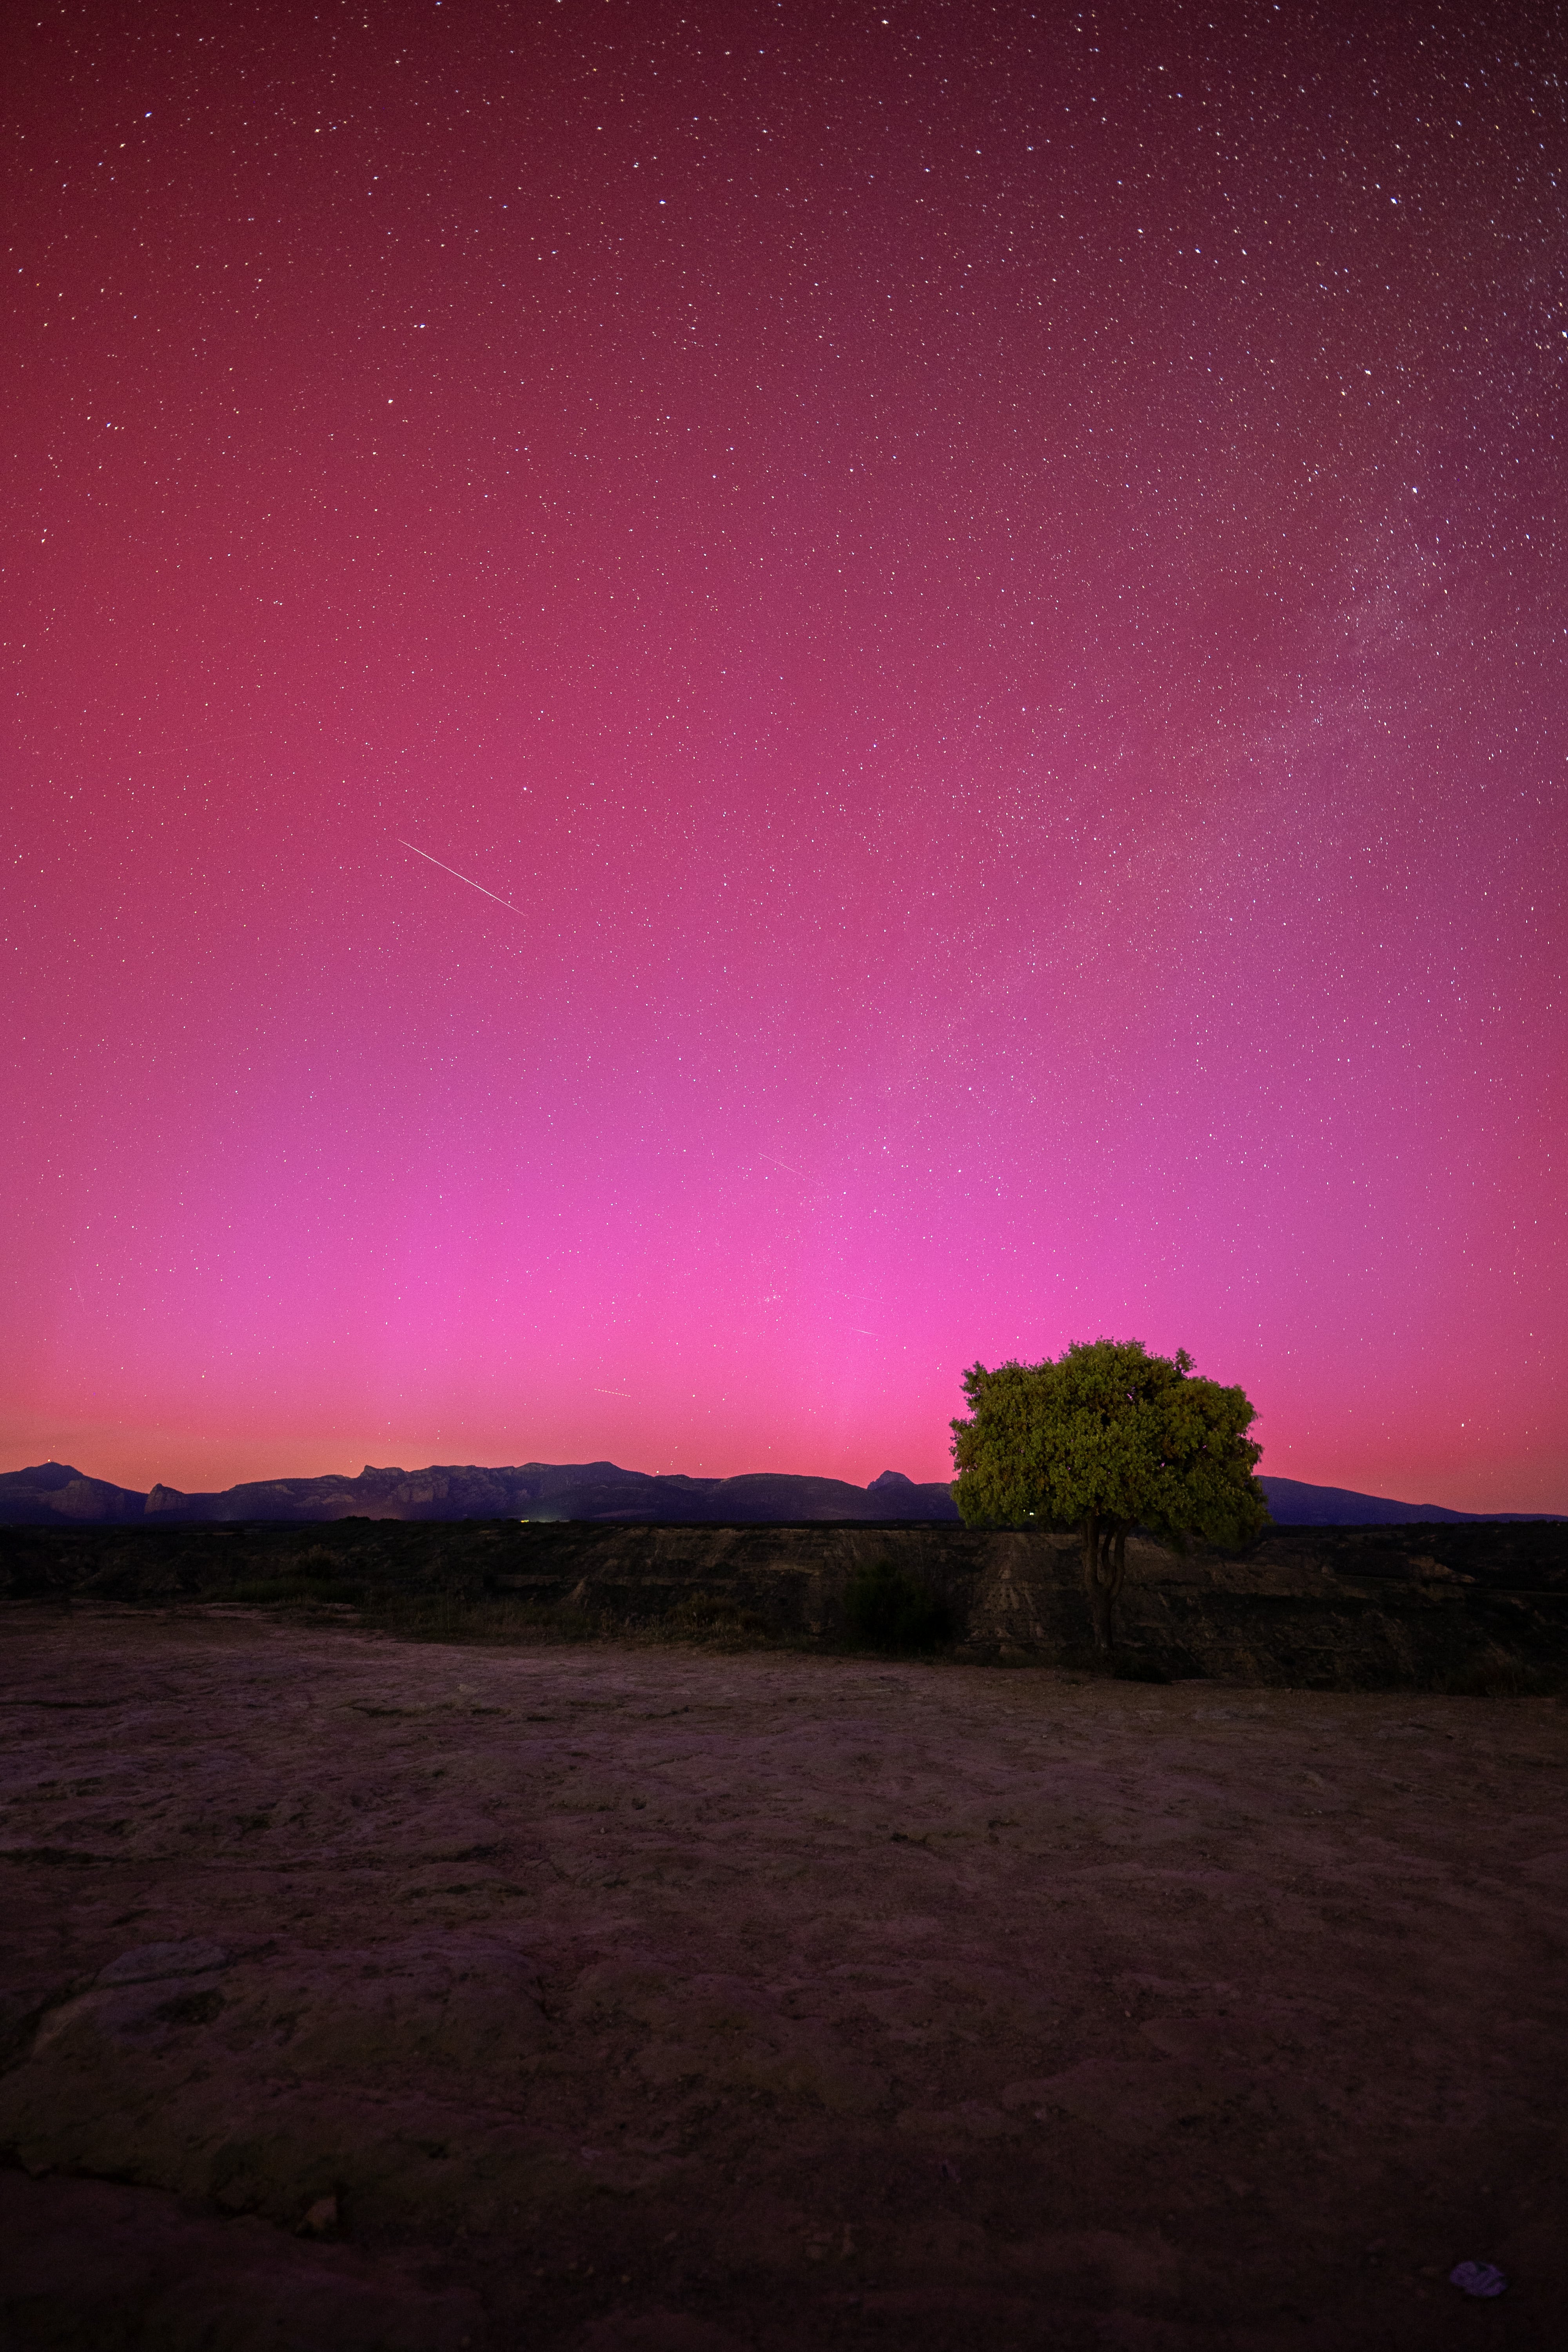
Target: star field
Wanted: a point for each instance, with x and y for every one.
(985, 585)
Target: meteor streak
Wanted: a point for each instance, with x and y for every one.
(456, 877)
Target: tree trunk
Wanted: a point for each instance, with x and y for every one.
(1104, 1572)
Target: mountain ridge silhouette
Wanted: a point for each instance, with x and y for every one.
(52, 1492)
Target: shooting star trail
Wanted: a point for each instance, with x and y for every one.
(456, 877)
(780, 1163)
(621, 1393)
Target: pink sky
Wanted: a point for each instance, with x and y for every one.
(993, 607)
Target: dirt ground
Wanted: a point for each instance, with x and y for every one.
(364, 1993)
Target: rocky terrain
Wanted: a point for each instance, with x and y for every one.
(361, 1993)
(1436, 1607)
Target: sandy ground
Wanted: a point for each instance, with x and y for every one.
(359, 1993)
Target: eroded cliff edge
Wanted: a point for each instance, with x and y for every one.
(1445, 1607)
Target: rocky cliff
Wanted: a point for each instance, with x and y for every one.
(1443, 1606)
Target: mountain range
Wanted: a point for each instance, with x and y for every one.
(53, 1492)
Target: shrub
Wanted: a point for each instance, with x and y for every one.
(704, 1616)
(885, 1607)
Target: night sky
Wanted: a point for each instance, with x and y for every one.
(985, 589)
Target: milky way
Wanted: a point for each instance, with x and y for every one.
(988, 586)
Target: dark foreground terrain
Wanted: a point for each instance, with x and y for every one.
(1452, 1608)
(359, 1991)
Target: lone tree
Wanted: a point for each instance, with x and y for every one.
(1104, 1438)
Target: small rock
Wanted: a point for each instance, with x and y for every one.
(1478, 2278)
(321, 2218)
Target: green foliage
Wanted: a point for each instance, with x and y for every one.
(887, 1608)
(1109, 1433)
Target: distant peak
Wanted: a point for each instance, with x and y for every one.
(46, 1475)
(890, 1478)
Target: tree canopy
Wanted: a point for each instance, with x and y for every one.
(1104, 1438)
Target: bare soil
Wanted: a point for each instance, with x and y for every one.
(358, 1992)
